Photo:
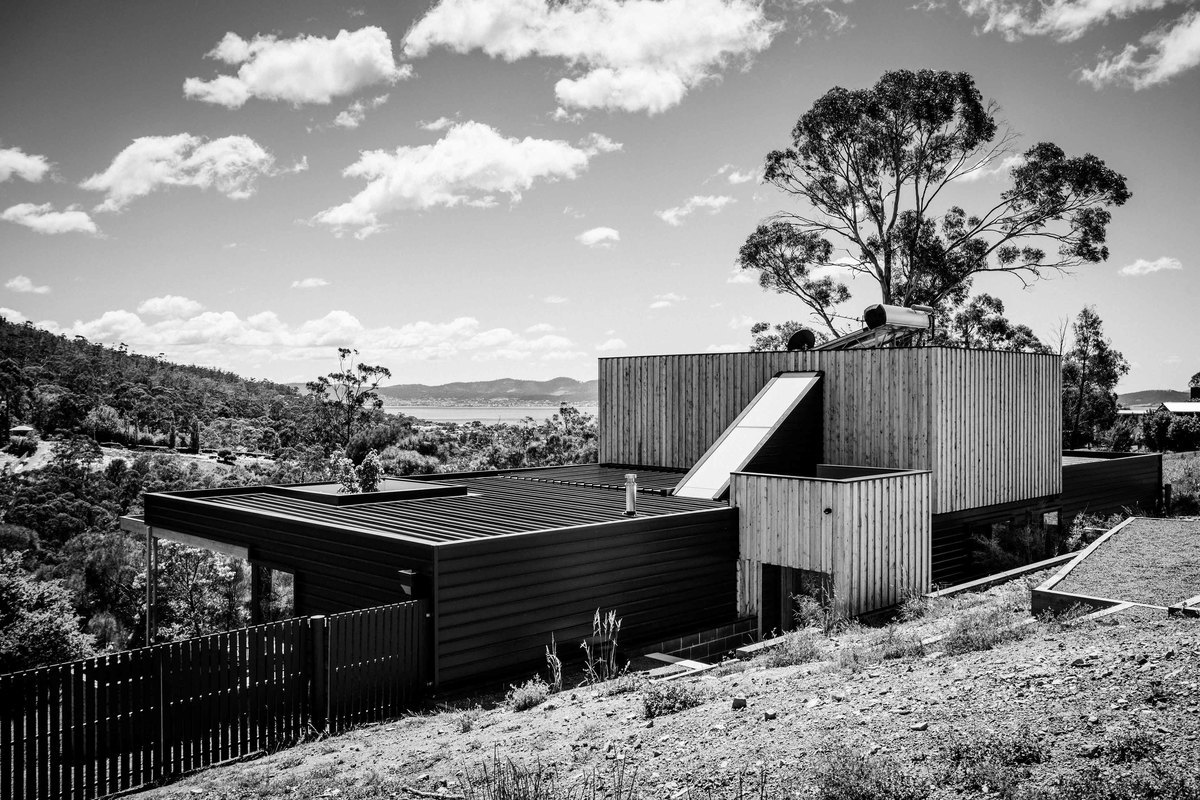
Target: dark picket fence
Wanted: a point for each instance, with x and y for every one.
(105, 725)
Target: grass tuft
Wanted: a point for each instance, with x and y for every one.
(670, 697)
(845, 774)
(528, 695)
(796, 647)
(983, 629)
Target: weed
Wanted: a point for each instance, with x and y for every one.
(1153, 783)
(914, 606)
(994, 762)
(554, 665)
(1056, 621)
(795, 647)
(811, 612)
(669, 697)
(465, 720)
(846, 774)
(1133, 746)
(602, 666)
(509, 780)
(622, 684)
(527, 695)
(894, 644)
(855, 658)
(982, 629)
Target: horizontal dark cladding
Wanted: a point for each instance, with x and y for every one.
(1105, 486)
(501, 599)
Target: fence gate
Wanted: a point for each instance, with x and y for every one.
(114, 723)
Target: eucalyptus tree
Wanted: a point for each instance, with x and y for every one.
(871, 170)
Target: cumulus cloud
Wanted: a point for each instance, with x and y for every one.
(470, 165)
(231, 165)
(310, 283)
(611, 344)
(25, 286)
(1161, 55)
(353, 116)
(1144, 267)
(599, 237)
(710, 203)
(439, 124)
(307, 69)
(213, 335)
(635, 55)
(667, 300)
(44, 219)
(555, 299)
(170, 305)
(739, 275)
(15, 161)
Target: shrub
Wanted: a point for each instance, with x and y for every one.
(982, 629)
(465, 719)
(669, 697)
(22, 446)
(1154, 783)
(894, 644)
(1133, 746)
(811, 612)
(795, 647)
(856, 658)
(845, 774)
(527, 695)
(995, 761)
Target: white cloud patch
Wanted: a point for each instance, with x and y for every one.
(710, 203)
(599, 237)
(44, 219)
(736, 176)
(231, 165)
(611, 344)
(555, 299)
(743, 321)
(470, 165)
(170, 305)
(739, 275)
(354, 115)
(15, 161)
(307, 69)
(541, 327)
(1144, 267)
(1161, 55)
(24, 285)
(210, 336)
(667, 300)
(562, 115)
(997, 168)
(439, 124)
(310, 283)
(1065, 20)
(635, 55)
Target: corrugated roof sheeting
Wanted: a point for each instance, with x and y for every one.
(495, 505)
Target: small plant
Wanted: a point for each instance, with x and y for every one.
(670, 697)
(465, 719)
(982, 629)
(995, 762)
(527, 695)
(554, 666)
(894, 644)
(370, 472)
(811, 612)
(600, 651)
(797, 647)
(1093, 783)
(509, 780)
(914, 606)
(1126, 748)
(845, 774)
(341, 469)
(855, 658)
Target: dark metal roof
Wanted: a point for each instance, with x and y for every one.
(495, 505)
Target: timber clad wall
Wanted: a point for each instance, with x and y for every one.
(985, 424)
(875, 543)
(500, 599)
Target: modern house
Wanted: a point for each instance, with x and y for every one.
(855, 474)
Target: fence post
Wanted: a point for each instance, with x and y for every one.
(160, 744)
(320, 669)
(1166, 490)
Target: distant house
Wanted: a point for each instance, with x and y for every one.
(1191, 408)
(21, 430)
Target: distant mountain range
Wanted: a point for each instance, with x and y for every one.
(502, 392)
(1153, 397)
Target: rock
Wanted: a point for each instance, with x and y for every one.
(770, 713)
(1079, 662)
(812, 702)
(919, 726)
(1091, 750)
(739, 702)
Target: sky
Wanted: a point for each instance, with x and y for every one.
(473, 189)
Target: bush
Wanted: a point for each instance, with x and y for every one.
(527, 695)
(796, 647)
(845, 774)
(22, 446)
(1154, 783)
(670, 697)
(894, 644)
(1133, 746)
(982, 629)
(465, 719)
(995, 761)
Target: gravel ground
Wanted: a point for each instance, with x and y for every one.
(1155, 561)
(1079, 691)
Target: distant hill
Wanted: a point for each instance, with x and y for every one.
(1153, 396)
(505, 391)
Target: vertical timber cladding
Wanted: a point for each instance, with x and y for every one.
(500, 598)
(986, 424)
(875, 541)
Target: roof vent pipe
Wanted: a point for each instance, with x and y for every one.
(631, 495)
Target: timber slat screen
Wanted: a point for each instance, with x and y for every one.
(117, 722)
(377, 660)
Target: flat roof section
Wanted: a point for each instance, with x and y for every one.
(494, 505)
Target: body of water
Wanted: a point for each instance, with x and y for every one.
(486, 414)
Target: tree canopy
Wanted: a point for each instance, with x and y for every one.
(871, 168)
(1090, 371)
